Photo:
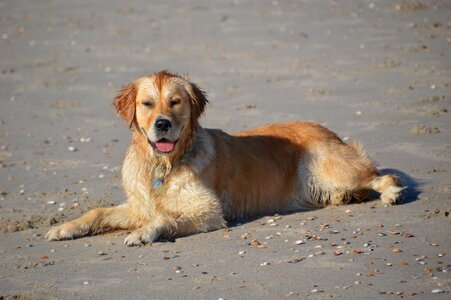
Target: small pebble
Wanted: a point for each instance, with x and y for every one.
(265, 263)
(298, 242)
(87, 245)
(71, 148)
(242, 252)
(86, 282)
(85, 140)
(441, 254)
(437, 291)
(176, 268)
(245, 236)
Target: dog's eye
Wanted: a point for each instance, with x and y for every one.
(148, 104)
(174, 102)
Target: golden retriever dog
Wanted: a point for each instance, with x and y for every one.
(182, 179)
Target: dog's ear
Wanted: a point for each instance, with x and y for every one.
(125, 103)
(198, 101)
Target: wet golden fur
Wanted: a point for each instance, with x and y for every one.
(211, 176)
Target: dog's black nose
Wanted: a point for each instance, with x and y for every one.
(163, 125)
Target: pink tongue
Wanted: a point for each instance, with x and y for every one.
(165, 146)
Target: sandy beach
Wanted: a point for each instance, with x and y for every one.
(377, 72)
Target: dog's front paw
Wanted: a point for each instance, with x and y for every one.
(65, 232)
(140, 237)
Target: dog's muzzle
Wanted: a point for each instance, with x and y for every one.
(162, 146)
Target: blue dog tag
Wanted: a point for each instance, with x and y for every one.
(157, 182)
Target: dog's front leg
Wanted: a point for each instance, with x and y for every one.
(150, 232)
(95, 221)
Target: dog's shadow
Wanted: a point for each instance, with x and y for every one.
(412, 186)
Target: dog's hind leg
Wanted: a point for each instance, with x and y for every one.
(95, 221)
(343, 173)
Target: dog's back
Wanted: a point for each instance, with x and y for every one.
(285, 167)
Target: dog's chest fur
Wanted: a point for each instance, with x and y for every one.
(182, 191)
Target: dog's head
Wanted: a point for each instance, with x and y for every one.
(164, 108)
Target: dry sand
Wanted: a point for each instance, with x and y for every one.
(377, 72)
